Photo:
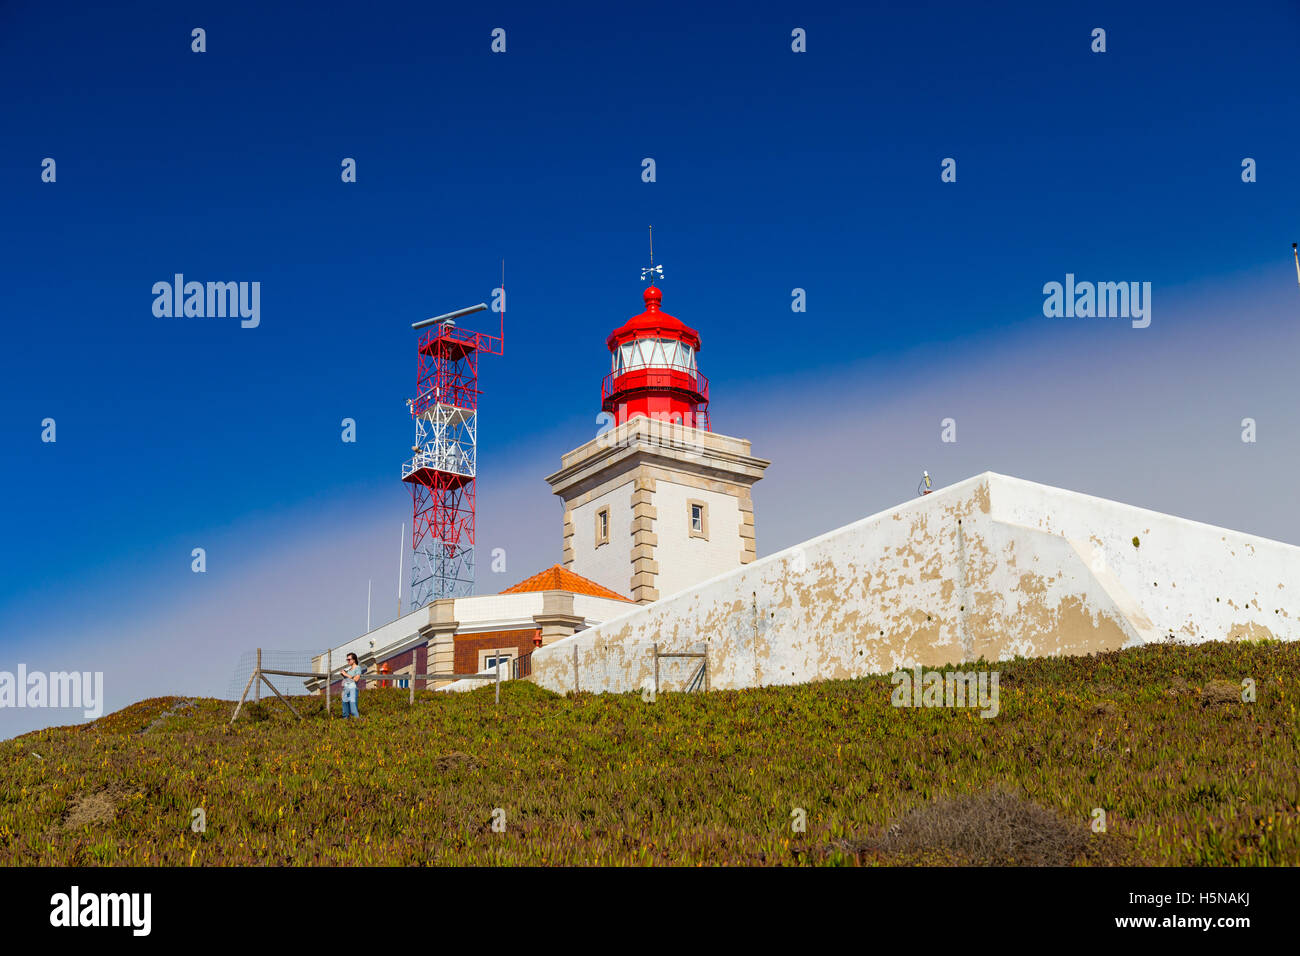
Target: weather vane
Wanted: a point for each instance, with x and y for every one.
(653, 271)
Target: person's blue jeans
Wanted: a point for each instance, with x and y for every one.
(350, 704)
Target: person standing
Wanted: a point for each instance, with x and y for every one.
(351, 671)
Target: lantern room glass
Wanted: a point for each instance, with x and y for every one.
(653, 353)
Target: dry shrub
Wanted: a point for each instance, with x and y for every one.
(1221, 692)
(90, 808)
(989, 828)
(455, 758)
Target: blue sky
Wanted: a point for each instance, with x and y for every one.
(775, 170)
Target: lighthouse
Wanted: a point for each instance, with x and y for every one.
(658, 501)
(654, 370)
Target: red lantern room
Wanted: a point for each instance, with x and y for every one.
(653, 369)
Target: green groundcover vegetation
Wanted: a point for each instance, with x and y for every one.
(1159, 738)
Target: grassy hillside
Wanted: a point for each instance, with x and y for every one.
(1186, 772)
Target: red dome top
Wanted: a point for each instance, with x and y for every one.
(652, 323)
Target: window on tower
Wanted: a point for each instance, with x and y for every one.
(699, 517)
(602, 527)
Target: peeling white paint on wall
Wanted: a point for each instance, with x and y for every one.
(991, 567)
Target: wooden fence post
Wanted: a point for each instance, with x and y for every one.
(498, 677)
(282, 697)
(656, 647)
(329, 676)
(575, 668)
(243, 697)
(257, 687)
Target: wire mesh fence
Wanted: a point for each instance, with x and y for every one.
(620, 667)
(629, 666)
(304, 661)
(313, 672)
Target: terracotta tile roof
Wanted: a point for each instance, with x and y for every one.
(556, 578)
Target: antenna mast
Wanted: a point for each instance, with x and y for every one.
(442, 472)
(401, 548)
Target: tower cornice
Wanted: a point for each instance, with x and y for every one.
(645, 441)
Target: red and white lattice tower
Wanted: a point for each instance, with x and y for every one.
(441, 473)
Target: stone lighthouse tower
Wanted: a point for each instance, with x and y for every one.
(656, 502)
